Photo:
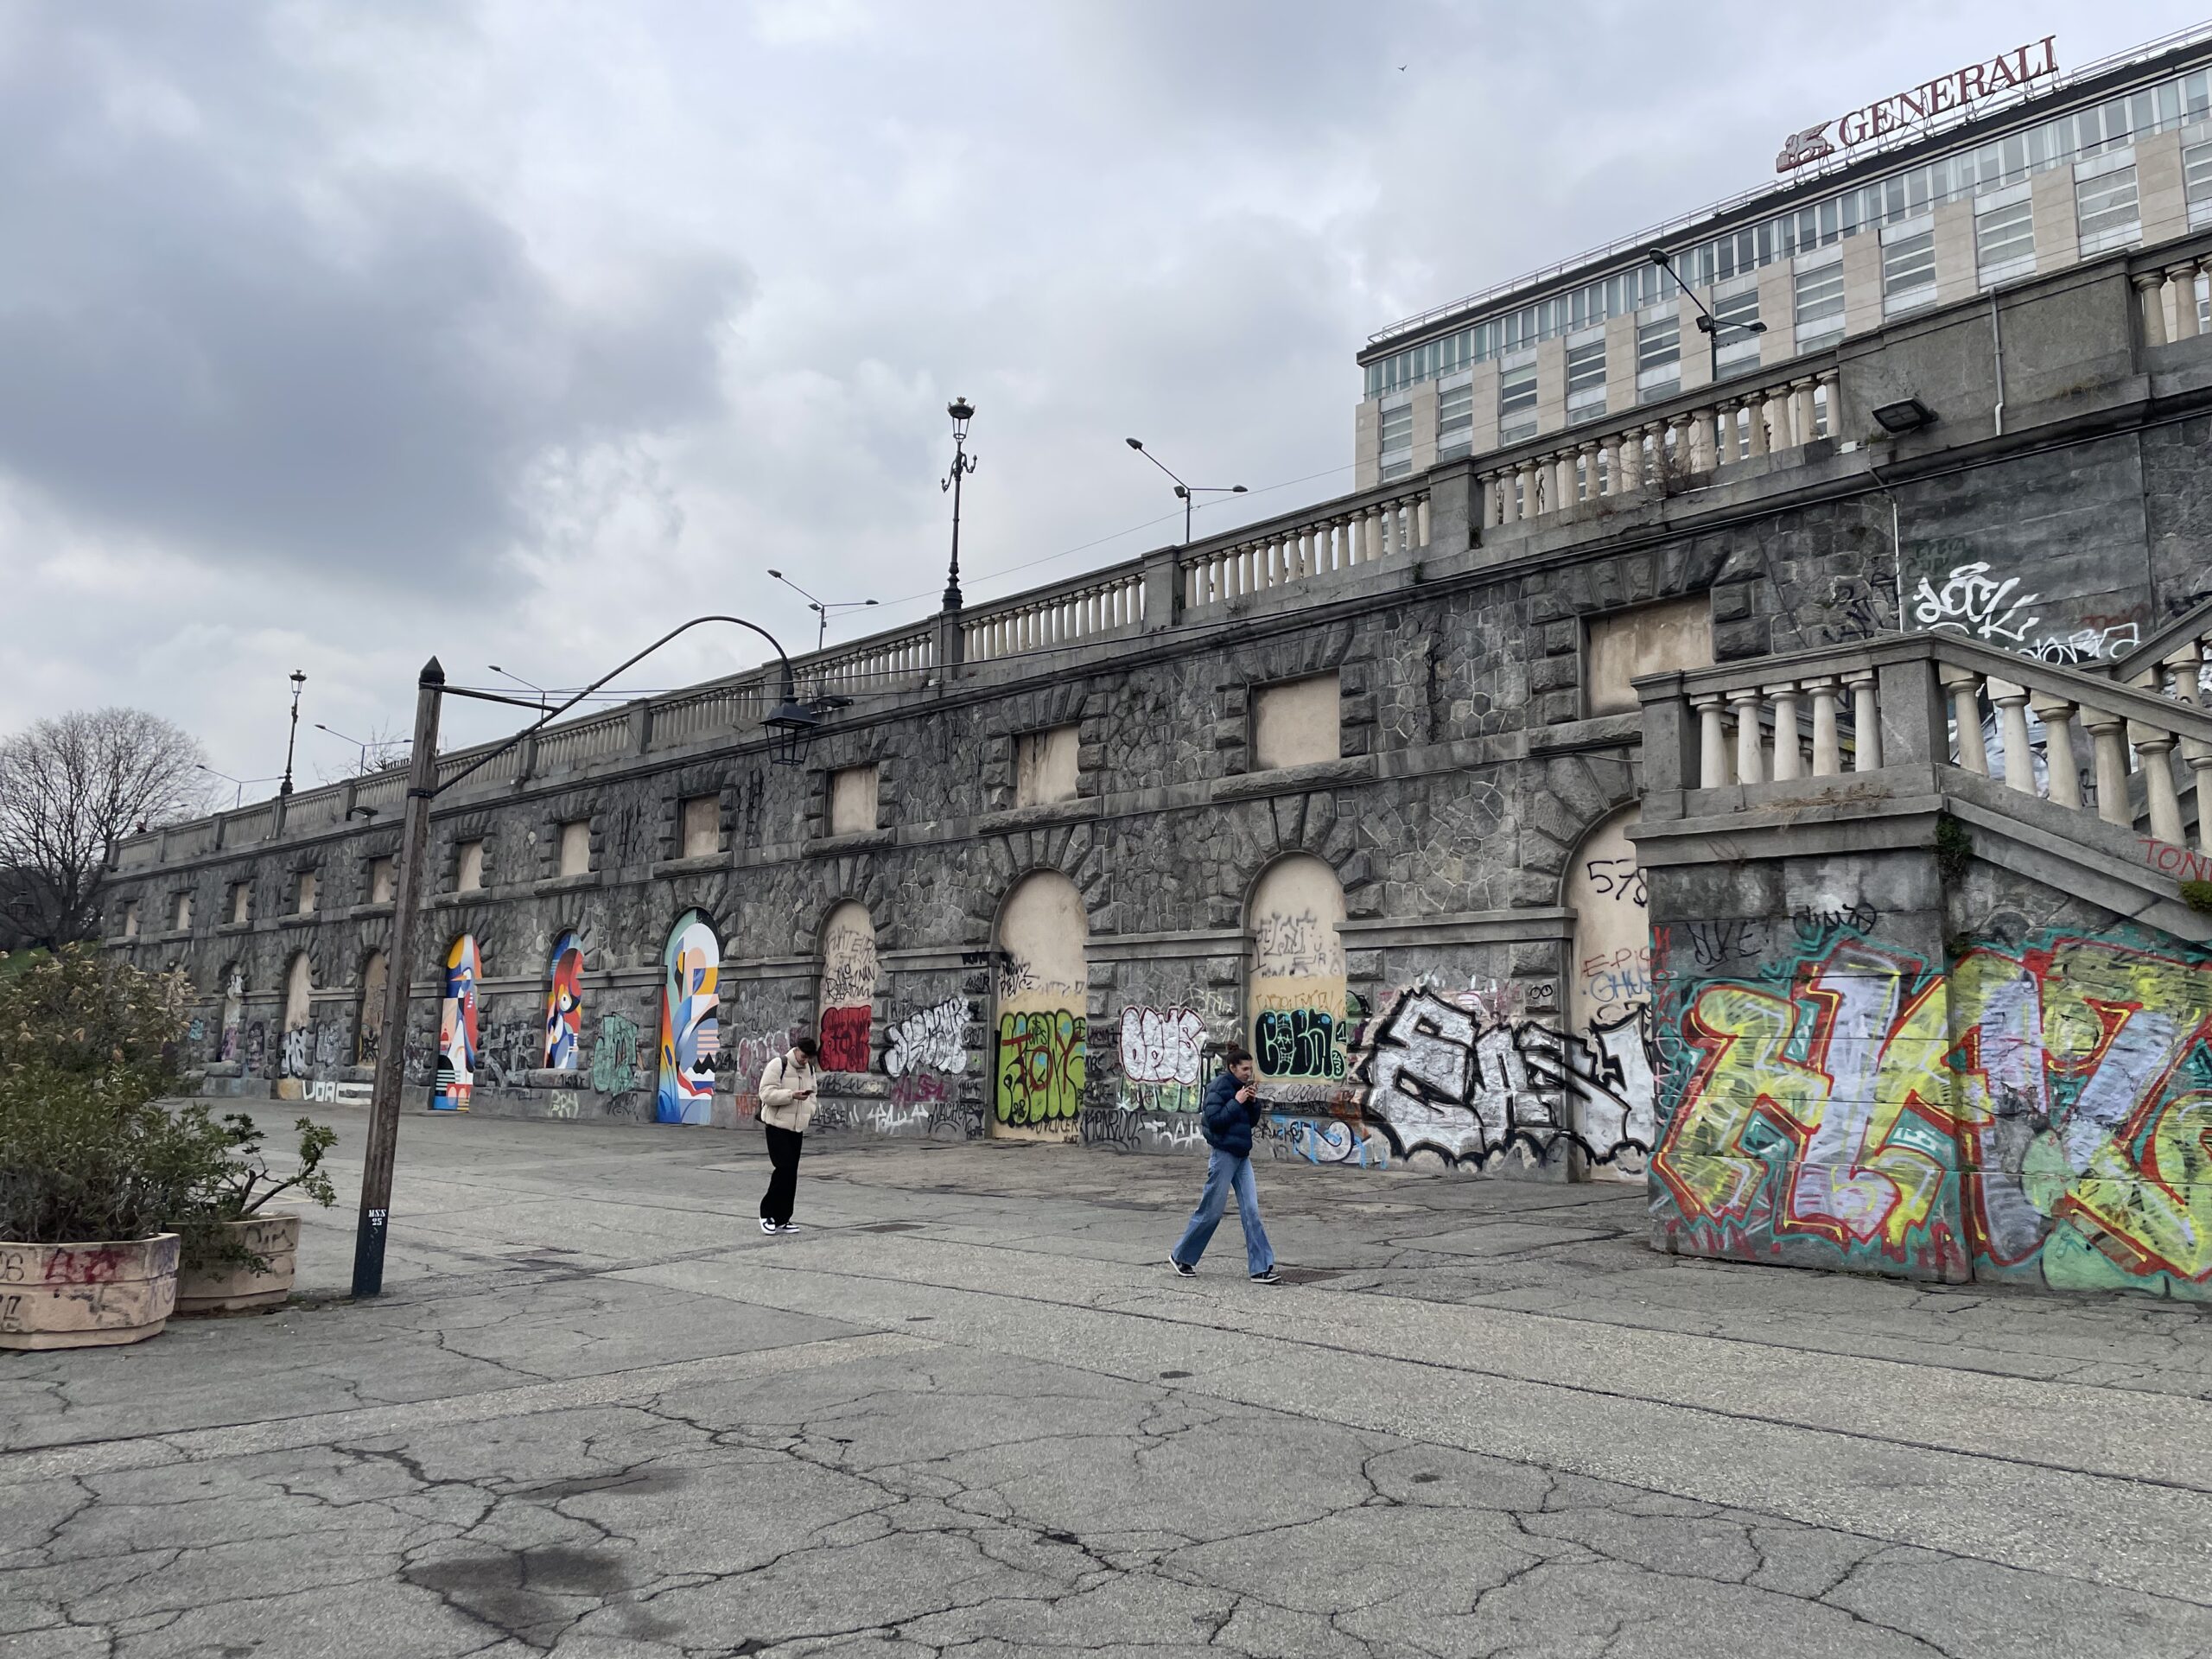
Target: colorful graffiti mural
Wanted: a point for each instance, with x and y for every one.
(456, 1079)
(1042, 982)
(848, 978)
(2039, 1113)
(1041, 1062)
(689, 1030)
(565, 1005)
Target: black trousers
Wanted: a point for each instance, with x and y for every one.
(783, 1148)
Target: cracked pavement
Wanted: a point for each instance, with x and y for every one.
(969, 1411)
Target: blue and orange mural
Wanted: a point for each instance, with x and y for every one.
(2042, 1113)
(689, 1031)
(457, 1028)
(565, 1005)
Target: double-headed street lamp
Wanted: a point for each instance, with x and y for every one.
(361, 743)
(545, 697)
(1184, 492)
(791, 730)
(822, 607)
(201, 766)
(1708, 325)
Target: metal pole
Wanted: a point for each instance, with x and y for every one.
(392, 1043)
(952, 582)
(299, 680)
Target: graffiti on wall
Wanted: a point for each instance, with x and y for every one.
(1446, 1081)
(845, 1039)
(929, 1039)
(457, 1028)
(848, 978)
(690, 1031)
(615, 1056)
(1974, 600)
(1041, 1059)
(564, 1005)
(234, 1012)
(2041, 1112)
(1162, 1055)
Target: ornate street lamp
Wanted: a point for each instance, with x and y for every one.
(961, 411)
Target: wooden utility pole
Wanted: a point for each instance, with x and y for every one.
(392, 1046)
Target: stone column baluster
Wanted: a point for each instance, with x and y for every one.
(2011, 701)
(2187, 666)
(1751, 767)
(2108, 740)
(1631, 457)
(1964, 687)
(1393, 537)
(2061, 769)
(1701, 452)
(1788, 759)
(1586, 454)
(2150, 288)
(1526, 472)
(1712, 741)
(2181, 285)
(1866, 721)
(1421, 519)
(1801, 413)
(2154, 750)
(1609, 452)
(1824, 411)
(1487, 483)
(1827, 748)
(1371, 546)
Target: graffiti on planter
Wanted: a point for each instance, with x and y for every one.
(1839, 1102)
(929, 1040)
(1444, 1081)
(1041, 1062)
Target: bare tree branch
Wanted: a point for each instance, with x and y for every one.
(70, 789)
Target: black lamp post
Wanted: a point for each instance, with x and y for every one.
(544, 696)
(299, 679)
(201, 766)
(961, 411)
(1184, 492)
(821, 608)
(1708, 325)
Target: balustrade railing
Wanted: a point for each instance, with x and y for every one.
(1098, 605)
(2075, 740)
(1359, 532)
(680, 722)
(1603, 462)
(563, 746)
(882, 664)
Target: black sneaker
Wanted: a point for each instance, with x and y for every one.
(1270, 1277)
(1183, 1269)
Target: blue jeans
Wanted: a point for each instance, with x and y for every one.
(1226, 1171)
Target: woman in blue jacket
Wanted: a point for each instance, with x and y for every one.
(1232, 1107)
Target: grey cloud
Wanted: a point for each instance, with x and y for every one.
(220, 327)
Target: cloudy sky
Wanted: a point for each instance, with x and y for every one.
(334, 336)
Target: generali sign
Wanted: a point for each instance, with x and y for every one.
(1955, 91)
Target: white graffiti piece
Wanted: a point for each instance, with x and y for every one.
(2087, 644)
(1607, 1075)
(299, 1051)
(1972, 601)
(1162, 1045)
(1332, 1140)
(930, 1041)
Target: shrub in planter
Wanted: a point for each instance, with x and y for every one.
(236, 1255)
(91, 1168)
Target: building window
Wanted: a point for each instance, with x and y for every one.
(1045, 767)
(1586, 380)
(1819, 302)
(852, 801)
(181, 916)
(1659, 357)
(1735, 314)
(1295, 723)
(575, 847)
(2106, 210)
(1908, 270)
(2196, 173)
(1396, 466)
(241, 902)
(1455, 420)
(383, 879)
(469, 869)
(131, 920)
(700, 822)
(1516, 402)
(2005, 238)
(304, 894)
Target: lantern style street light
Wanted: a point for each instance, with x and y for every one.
(961, 411)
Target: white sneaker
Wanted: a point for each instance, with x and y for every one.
(767, 1226)
(788, 1227)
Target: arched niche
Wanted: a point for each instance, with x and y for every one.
(457, 1050)
(1042, 982)
(1608, 1043)
(368, 1026)
(1295, 1010)
(846, 1001)
(565, 1005)
(690, 1027)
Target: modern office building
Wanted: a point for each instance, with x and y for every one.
(2050, 170)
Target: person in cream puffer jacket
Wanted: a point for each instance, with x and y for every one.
(788, 1088)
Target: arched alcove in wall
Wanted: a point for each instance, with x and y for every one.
(1042, 982)
(564, 1004)
(846, 1003)
(1607, 1044)
(234, 1012)
(368, 1026)
(298, 1056)
(1295, 1013)
(690, 1027)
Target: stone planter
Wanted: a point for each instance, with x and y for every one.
(232, 1287)
(86, 1295)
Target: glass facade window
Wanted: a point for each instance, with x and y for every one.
(1586, 380)
(1455, 420)
(1908, 270)
(2004, 241)
(2106, 210)
(2197, 175)
(1516, 404)
(1398, 428)
(1735, 313)
(1819, 300)
(1996, 165)
(1658, 357)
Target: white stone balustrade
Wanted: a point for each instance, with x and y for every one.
(1362, 533)
(1040, 621)
(873, 664)
(2171, 300)
(1642, 454)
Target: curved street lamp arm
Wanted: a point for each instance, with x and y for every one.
(789, 690)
